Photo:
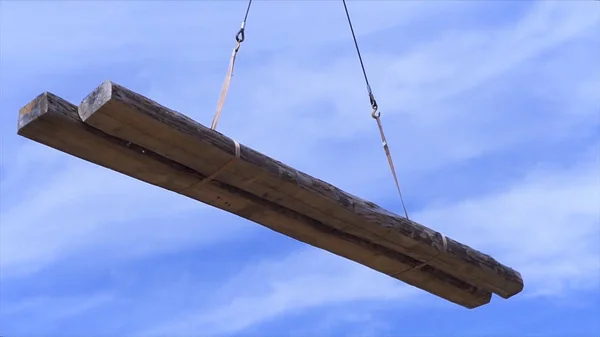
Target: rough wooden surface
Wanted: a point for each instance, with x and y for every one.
(131, 116)
(54, 122)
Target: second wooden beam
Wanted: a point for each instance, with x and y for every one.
(128, 115)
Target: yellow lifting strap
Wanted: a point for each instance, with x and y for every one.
(376, 114)
(239, 38)
(225, 87)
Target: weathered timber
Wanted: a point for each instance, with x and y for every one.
(125, 114)
(54, 122)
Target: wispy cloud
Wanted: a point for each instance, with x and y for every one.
(546, 224)
(300, 281)
(44, 312)
(85, 209)
(67, 306)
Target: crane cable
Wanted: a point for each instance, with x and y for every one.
(376, 114)
(239, 38)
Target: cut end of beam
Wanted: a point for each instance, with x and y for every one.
(32, 110)
(55, 122)
(42, 109)
(512, 288)
(97, 98)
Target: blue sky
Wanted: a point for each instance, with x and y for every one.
(492, 111)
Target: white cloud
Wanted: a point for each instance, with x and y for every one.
(526, 224)
(547, 225)
(62, 307)
(112, 33)
(447, 57)
(447, 97)
(418, 85)
(35, 236)
(462, 111)
(44, 311)
(84, 208)
(300, 281)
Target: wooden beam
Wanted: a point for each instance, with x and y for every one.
(54, 122)
(128, 115)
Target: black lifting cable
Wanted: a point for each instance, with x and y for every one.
(376, 114)
(241, 34)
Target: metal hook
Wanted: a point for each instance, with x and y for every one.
(240, 36)
(375, 114)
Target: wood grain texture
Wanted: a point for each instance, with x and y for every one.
(54, 122)
(128, 115)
